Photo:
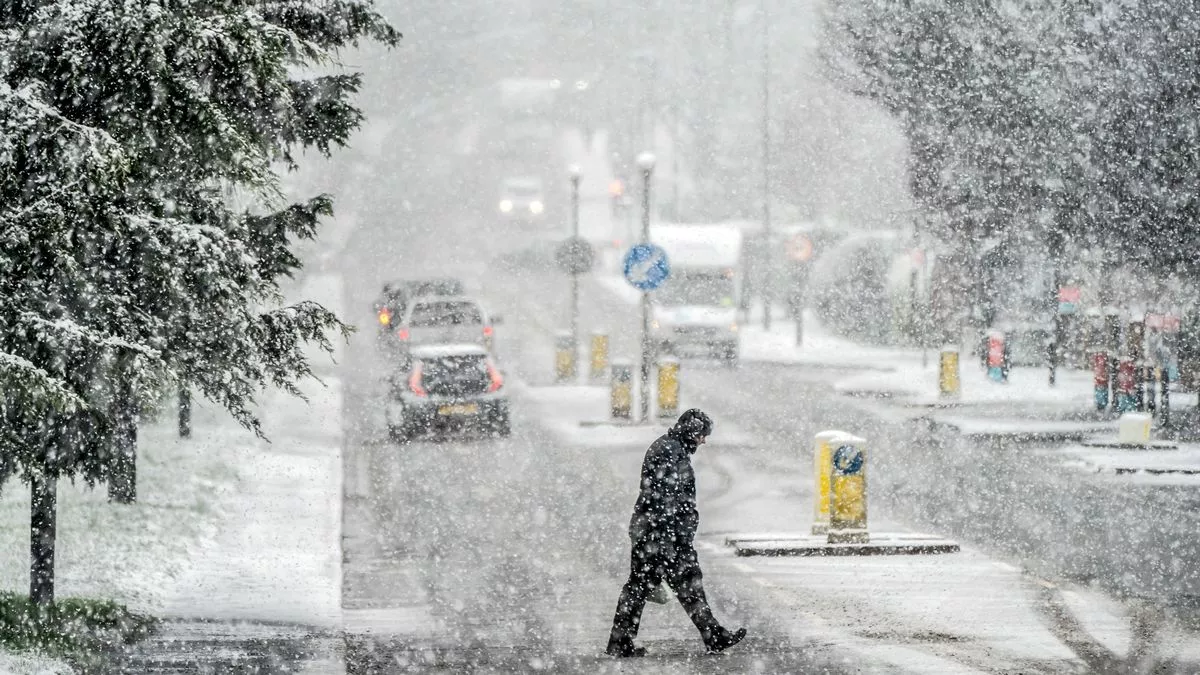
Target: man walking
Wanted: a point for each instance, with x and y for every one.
(662, 530)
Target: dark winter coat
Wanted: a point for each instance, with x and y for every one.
(666, 505)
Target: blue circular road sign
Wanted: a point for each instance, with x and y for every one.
(646, 267)
(847, 460)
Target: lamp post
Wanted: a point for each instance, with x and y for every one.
(576, 174)
(769, 262)
(645, 162)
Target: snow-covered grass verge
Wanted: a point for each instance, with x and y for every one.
(130, 553)
(226, 525)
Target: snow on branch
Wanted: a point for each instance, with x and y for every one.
(74, 332)
(21, 374)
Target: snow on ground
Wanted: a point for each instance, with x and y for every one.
(1149, 464)
(1020, 426)
(580, 416)
(26, 664)
(913, 612)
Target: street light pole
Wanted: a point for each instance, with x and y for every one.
(645, 162)
(769, 262)
(576, 174)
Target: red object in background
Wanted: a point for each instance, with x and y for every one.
(1100, 370)
(1125, 376)
(1069, 294)
(995, 355)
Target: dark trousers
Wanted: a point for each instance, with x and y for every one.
(655, 558)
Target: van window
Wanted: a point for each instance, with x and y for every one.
(439, 314)
(711, 288)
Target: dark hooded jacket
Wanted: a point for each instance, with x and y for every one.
(666, 505)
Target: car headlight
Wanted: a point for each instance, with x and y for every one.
(536, 207)
(733, 327)
(506, 205)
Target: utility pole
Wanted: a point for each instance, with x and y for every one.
(645, 162)
(769, 260)
(576, 174)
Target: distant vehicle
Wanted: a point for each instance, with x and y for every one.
(446, 320)
(447, 387)
(527, 97)
(696, 309)
(392, 304)
(522, 199)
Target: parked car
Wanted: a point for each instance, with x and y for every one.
(393, 302)
(447, 387)
(446, 320)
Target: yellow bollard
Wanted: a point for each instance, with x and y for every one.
(599, 361)
(822, 473)
(564, 358)
(621, 390)
(668, 387)
(948, 382)
(848, 493)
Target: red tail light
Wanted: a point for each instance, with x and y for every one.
(487, 331)
(402, 333)
(496, 380)
(414, 382)
(385, 317)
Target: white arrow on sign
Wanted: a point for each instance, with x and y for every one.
(640, 272)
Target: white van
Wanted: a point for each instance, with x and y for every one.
(695, 310)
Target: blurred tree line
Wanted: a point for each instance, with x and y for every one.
(1066, 126)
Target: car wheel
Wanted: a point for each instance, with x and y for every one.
(731, 355)
(399, 433)
(499, 425)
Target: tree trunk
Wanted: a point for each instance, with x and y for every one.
(185, 412)
(43, 518)
(122, 481)
(1057, 246)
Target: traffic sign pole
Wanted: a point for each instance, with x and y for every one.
(575, 176)
(644, 403)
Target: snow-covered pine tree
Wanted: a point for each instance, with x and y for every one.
(195, 99)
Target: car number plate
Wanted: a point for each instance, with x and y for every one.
(461, 409)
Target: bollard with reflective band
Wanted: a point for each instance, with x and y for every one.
(564, 357)
(668, 388)
(1164, 402)
(1147, 381)
(1126, 385)
(599, 356)
(848, 492)
(822, 474)
(997, 366)
(1100, 378)
(948, 382)
(621, 390)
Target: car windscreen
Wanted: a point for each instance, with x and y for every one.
(523, 190)
(710, 288)
(435, 287)
(442, 314)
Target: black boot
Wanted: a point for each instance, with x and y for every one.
(723, 639)
(624, 649)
